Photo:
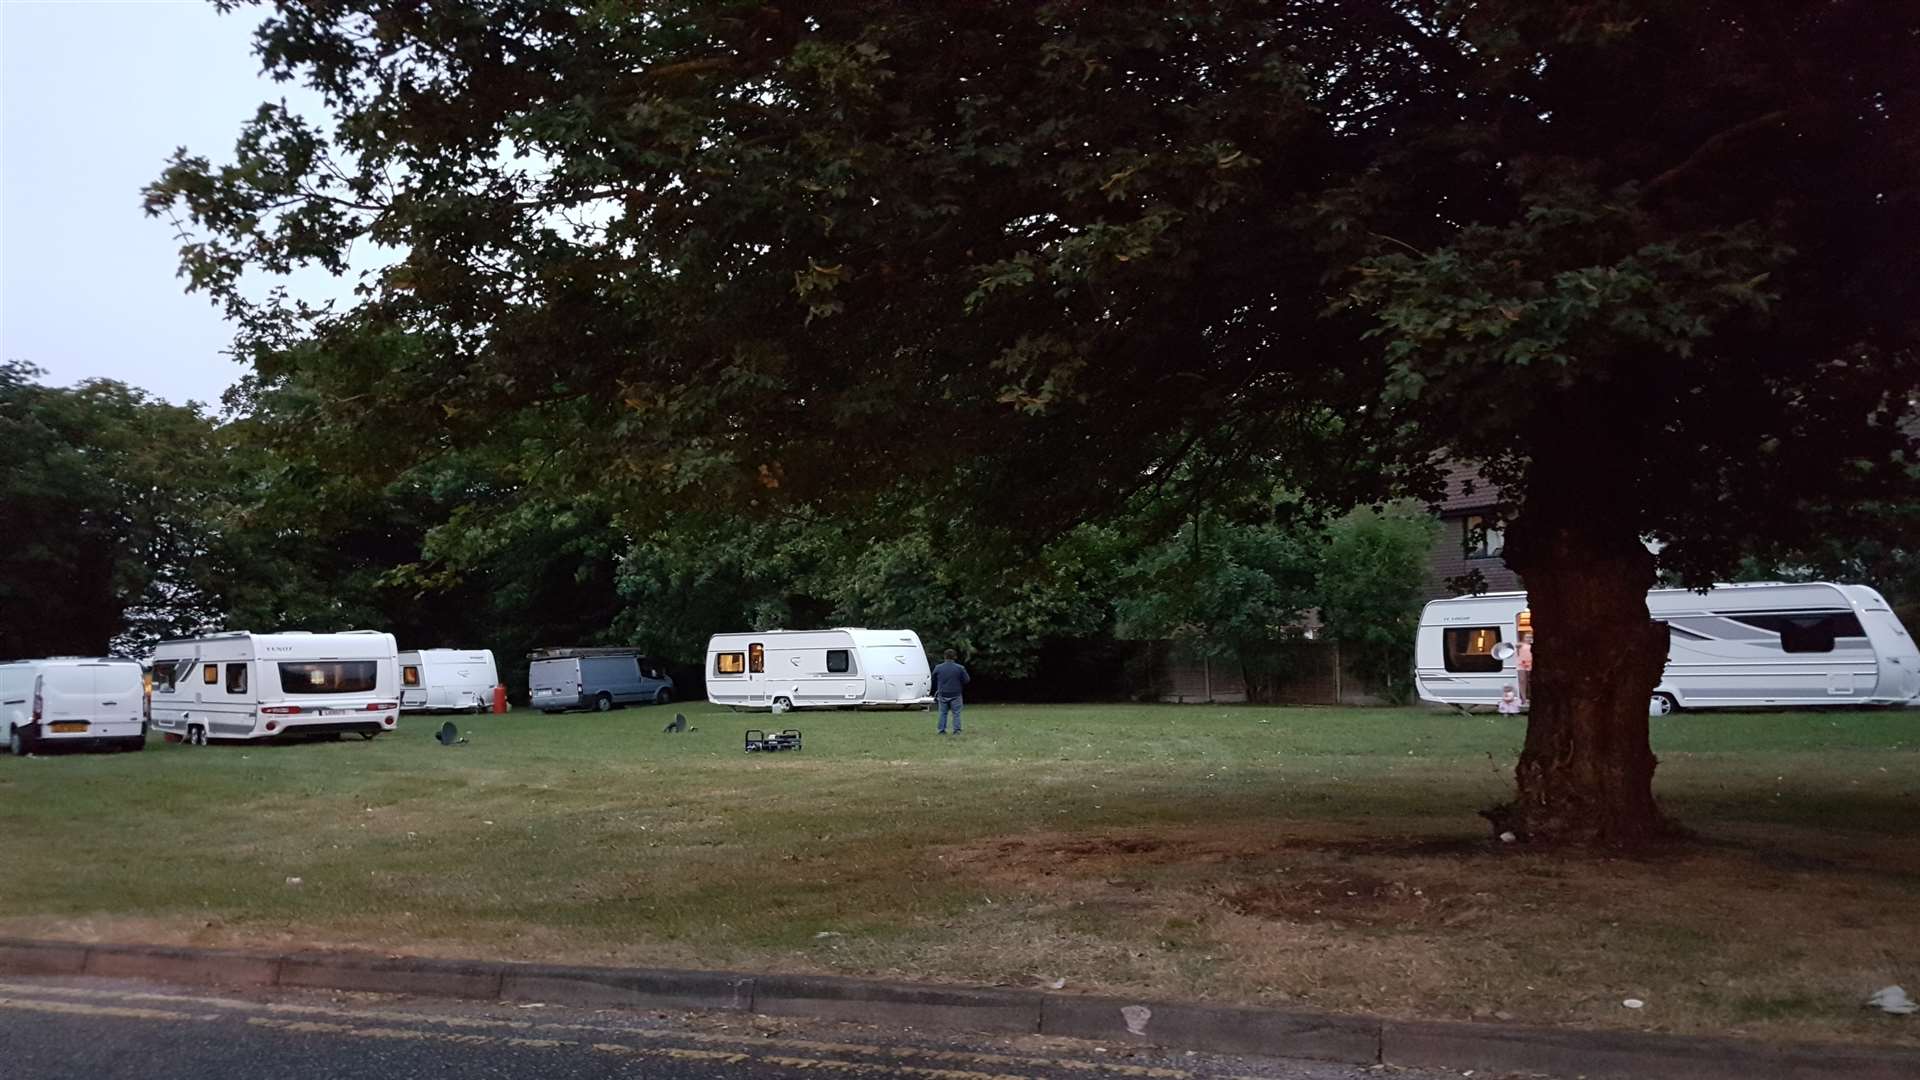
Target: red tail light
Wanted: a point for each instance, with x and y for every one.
(378, 706)
(281, 710)
(39, 699)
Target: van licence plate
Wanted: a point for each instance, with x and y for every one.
(60, 726)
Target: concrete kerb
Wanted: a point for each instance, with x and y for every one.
(42, 958)
(1224, 1029)
(214, 967)
(910, 1004)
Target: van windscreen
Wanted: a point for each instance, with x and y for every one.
(330, 677)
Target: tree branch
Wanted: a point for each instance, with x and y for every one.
(1712, 147)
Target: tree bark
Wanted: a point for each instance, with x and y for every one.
(1585, 776)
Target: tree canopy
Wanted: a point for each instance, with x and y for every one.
(1650, 263)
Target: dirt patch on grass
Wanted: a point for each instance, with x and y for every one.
(1777, 933)
(1355, 899)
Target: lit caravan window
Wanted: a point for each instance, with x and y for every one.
(210, 674)
(839, 661)
(729, 663)
(330, 677)
(410, 676)
(756, 658)
(236, 678)
(1470, 648)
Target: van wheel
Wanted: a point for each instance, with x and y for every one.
(603, 703)
(18, 744)
(1662, 704)
(781, 705)
(664, 697)
(134, 743)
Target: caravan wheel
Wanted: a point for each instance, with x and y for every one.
(196, 735)
(781, 705)
(1662, 705)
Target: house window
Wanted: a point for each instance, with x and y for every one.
(236, 678)
(730, 663)
(210, 674)
(756, 658)
(839, 661)
(1481, 537)
(410, 675)
(1470, 648)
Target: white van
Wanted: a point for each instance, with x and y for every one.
(849, 666)
(72, 701)
(447, 680)
(264, 686)
(1737, 646)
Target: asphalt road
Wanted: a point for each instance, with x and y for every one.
(97, 1029)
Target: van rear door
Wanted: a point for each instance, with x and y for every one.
(119, 692)
(554, 684)
(68, 703)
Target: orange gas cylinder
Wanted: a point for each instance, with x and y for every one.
(499, 699)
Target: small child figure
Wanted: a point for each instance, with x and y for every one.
(1509, 702)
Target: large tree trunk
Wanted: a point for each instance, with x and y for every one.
(1586, 773)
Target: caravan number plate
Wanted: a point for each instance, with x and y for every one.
(70, 725)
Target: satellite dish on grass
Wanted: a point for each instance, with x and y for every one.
(448, 735)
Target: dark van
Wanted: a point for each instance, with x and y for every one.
(598, 679)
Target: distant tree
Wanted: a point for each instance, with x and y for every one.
(1368, 586)
(1220, 589)
(110, 501)
(1646, 261)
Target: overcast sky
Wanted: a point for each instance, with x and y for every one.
(93, 98)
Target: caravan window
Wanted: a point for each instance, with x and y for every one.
(410, 675)
(839, 661)
(1470, 648)
(210, 674)
(729, 663)
(330, 677)
(1809, 633)
(236, 678)
(167, 672)
(756, 658)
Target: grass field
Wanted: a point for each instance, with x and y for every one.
(1324, 857)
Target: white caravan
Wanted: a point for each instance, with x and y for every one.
(72, 701)
(845, 667)
(264, 686)
(447, 680)
(1737, 646)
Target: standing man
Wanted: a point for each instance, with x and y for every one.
(949, 683)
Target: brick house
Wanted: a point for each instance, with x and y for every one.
(1469, 539)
